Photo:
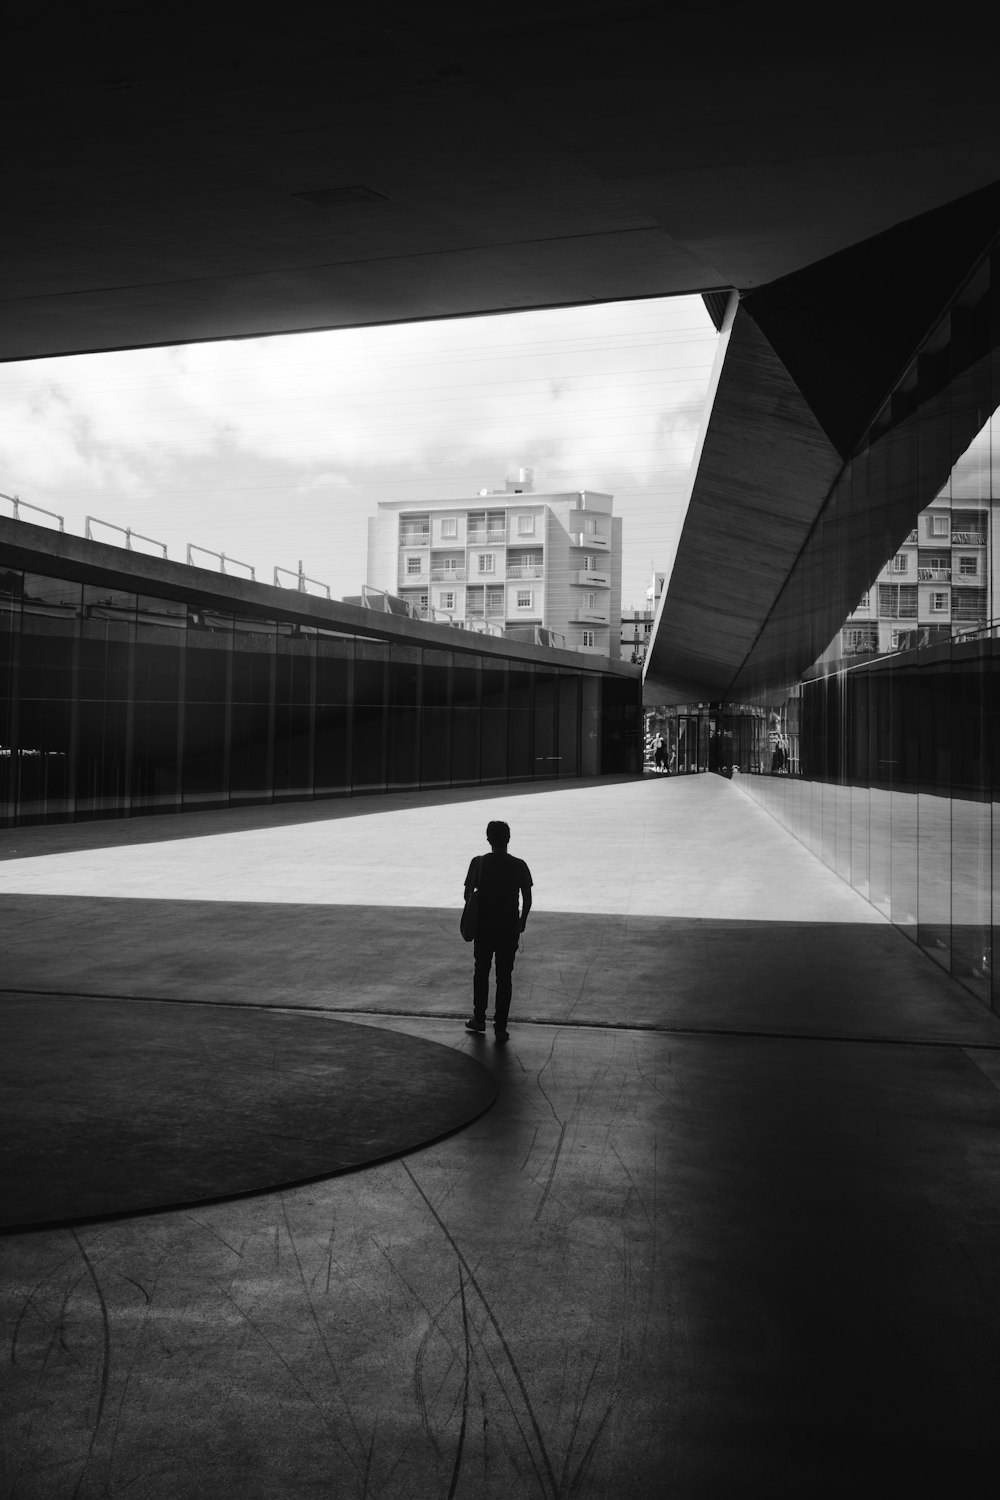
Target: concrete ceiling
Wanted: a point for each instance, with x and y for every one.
(315, 167)
(318, 167)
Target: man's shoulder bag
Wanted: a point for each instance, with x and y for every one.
(470, 912)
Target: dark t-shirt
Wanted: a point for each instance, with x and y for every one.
(501, 878)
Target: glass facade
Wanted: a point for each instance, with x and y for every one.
(884, 760)
(115, 703)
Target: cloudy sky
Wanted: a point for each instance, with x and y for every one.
(278, 449)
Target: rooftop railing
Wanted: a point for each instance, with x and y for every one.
(126, 532)
(222, 557)
(17, 503)
(300, 580)
(482, 619)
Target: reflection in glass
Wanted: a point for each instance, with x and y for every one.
(116, 703)
(294, 676)
(435, 718)
(896, 787)
(403, 736)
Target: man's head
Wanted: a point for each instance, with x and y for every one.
(497, 835)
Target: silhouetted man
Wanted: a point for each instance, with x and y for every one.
(500, 879)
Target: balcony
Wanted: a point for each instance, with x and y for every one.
(591, 617)
(591, 578)
(414, 538)
(933, 575)
(413, 580)
(447, 575)
(968, 539)
(525, 570)
(476, 538)
(589, 539)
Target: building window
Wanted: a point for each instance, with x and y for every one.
(969, 528)
(897, 601)
(449, 526)
(412, 566)
(939, 603)
(864, 602)
(859, 640)
(414, 531)
(525, 598)
(525, 525)
(588, 637)
(968, 567)
(487, 562)
(934, 567)
(591, 601)
(900, 563)
(940, 526)
(447, 601)
(968, 606)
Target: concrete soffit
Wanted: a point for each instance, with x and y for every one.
(763, 474)
(758, 588)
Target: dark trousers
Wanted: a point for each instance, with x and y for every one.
(502, 947)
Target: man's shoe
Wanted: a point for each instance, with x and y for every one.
(474, 1025)
(503, 1036)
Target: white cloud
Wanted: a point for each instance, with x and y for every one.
(289, 441)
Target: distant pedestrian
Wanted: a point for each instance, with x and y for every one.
(777, 759)
(658, 752)
(500, 880)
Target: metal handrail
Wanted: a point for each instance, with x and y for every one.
(223, 559)
(17, 502)
(368, 593)
(301, 580)
(127, 532)
(983, 631)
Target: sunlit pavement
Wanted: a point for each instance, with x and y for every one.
(730, 1228)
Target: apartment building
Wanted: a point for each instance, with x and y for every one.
(543, 566)
(938, 585)
(637, 624)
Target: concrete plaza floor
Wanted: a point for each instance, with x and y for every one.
(731, 1227)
